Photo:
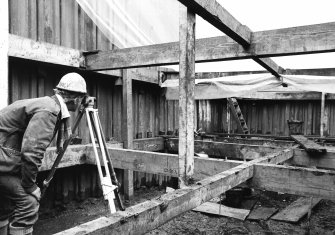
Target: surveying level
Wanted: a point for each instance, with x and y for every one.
(107, 177)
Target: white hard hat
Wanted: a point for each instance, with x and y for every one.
(72, 82)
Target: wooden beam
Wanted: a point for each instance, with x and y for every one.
(25, 48)
(186, 95)
(295, 180)
(254, 141)
(148, 215)
(4, 32)
(134, 160)
(127, 131)
(302, 158)
(309, 145)
(149, 144)
(223, 150)
(309, 39)
(219, 17)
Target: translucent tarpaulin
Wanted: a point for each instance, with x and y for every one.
(247, 85)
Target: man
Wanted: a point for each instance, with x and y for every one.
(26, 129)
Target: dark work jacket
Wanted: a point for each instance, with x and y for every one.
(26, 129)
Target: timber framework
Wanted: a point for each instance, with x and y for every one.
(281, 166)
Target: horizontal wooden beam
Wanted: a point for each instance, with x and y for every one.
(148, 215)
(223, 150)
(309, 39)
(150, 162)
(25, 48)
(219, 17)
(302, 158)
(295, 180)
(149, 144)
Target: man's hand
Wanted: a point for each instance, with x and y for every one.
(37, 194)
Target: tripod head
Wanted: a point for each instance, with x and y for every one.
(87, 102)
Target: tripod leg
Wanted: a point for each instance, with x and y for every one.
(113, 175)
(106, 182)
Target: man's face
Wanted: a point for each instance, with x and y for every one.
(73, 102)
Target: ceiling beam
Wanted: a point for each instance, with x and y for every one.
(219, 17)
(309, 39)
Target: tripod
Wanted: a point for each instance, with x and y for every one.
(107, 175)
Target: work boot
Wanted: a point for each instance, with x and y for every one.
(14, 230)
(3, 227)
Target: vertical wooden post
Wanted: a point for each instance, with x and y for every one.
(4, 32)
(127, 130)
(186, 95)
(324, 116)
(228, 117)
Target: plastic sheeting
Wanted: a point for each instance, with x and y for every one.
(131, 23)
(246, 85)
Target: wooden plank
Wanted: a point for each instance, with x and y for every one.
(219, 17)
(127, 130)
(303, 158)
(148, 215)
(262, 213)
(25, 48)
(309, 39)
(4, 31)
(149, 144)
(157, 163)
(217, 209)
(309, 145)
(223, 150)
(295, 180)
(186, 95)
(44, 52)
(296, 210)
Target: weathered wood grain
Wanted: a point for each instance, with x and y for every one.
(219, 17)
(296, 210)
(309, 145)
(186, 95)
(149, 144)
(217, 209)
(148, 215)
(223, 150)
(127, 130)
(295, 180)
(309, 39)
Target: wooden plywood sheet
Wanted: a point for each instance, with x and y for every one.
(262, 213)
(295, 211)
(214, 208)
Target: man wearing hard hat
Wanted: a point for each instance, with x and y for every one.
(26, 129)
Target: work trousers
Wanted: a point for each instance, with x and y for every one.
(20, 207)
